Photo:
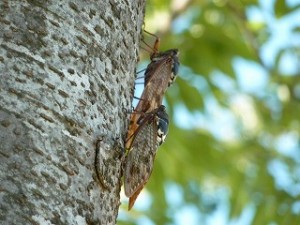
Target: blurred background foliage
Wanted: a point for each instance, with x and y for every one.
(232, 155)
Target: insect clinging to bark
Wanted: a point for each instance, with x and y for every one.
(151, 133)
(158, 59)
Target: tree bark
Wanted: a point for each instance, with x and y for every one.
(67, 74)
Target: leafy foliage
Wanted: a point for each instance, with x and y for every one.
(237, 140)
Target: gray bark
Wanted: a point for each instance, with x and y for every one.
(66, 81)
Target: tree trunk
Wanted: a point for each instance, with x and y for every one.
(67, 77)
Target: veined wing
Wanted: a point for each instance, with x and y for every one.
(140, 159)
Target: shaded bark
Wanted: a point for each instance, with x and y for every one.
(67, 77)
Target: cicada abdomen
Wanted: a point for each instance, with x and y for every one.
(150, 134)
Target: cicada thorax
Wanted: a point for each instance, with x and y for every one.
(151, 133)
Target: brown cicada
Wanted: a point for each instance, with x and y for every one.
(150, 134)
(159, 75)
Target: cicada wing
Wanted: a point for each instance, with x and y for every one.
(133, 198)
(152, 131)
(150, 70)
(133, 126)
(140, 159)
(155, 89)
(142, 107)
(158, 83)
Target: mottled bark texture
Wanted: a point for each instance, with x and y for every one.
(66, 81)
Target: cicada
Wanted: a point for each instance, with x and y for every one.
(151, 133)
(160, 60)
(159, 75)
